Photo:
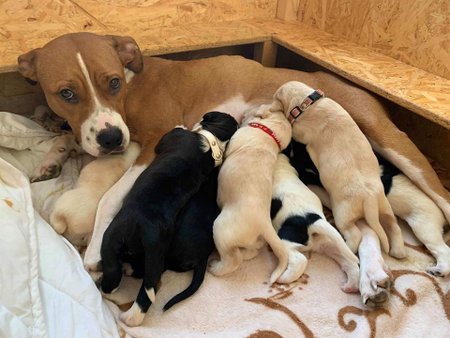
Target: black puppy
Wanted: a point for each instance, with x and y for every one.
(146, 223)
(193, 241)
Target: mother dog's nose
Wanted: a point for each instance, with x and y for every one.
(110, 138)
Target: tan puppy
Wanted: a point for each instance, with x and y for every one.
(74, 212)
(245, 192)
(346, 163)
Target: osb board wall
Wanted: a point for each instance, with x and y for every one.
(416, 32)
(27, 24)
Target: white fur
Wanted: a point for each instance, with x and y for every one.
(297, 199)
(133, 317)
(236, 106)
(425, 219)
(108, 207)
(245, 192)
(347, 165)
(415, 173)
(375, 276)
(98, 118)
(74, 213)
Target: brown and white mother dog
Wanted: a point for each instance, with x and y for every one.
(109, 93)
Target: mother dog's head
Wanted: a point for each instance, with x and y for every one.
(85, 82)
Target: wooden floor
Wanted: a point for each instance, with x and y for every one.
(421, 92)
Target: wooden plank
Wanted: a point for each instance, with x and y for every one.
(266, 53)
(421, 92)
(287, 9)
(416, 32)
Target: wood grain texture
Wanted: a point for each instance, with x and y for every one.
(29, 24)
(421, 92)
(416, 32)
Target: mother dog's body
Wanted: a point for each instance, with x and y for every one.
(164, 93)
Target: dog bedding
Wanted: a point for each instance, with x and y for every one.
(44, 289)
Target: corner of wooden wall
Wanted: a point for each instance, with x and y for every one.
(287, 9)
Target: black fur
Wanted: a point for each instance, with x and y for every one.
(388, 173)
(145, 225)
(275, 206)
(295, 228)
(193, 241)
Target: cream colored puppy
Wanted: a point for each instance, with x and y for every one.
(245, 192)
(74, 213)
(346, 163)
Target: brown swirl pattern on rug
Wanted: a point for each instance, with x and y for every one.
(371, 316)
(267, 302)
(410, 297)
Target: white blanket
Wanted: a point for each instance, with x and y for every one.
(44, 289)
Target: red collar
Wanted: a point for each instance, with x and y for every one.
(267, 130)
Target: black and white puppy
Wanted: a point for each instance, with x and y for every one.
(193, 240)
(406, 199)
(298, 217)
(145, 225)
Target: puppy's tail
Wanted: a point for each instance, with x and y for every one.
(197, 280)
(372, 215)
(58, 222)
(279, 250)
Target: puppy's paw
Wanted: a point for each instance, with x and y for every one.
(351, 285)
(133, 317)
(374, 287)
(216, 267)
(296, 266)
(397, 251)
(46, 171)
(439, 270)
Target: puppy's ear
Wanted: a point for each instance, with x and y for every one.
(27, 65)
(263, 113)
(129, 53)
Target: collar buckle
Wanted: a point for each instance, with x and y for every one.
(306, 103)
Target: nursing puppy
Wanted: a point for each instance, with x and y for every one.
(407, 201)
(146, 222)
(245, 192)
(193, 240)
(298, 218)
(74, 213)
(347, 165)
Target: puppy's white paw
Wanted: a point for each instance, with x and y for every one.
(352, 283)
(216, 267)
(374, 286)
(296, 266)
(133, 317)
(439, 270)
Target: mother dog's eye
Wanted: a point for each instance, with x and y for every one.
(114, 84)
(68, 95)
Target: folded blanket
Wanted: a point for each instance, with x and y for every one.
(44, 289)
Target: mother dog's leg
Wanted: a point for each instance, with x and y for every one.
(111, 203)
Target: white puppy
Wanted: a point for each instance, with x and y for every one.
(298, 217)
(245, 192)
(347, 165)
(74, 213)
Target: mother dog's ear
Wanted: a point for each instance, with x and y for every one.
(128, 51)
(27, 65)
